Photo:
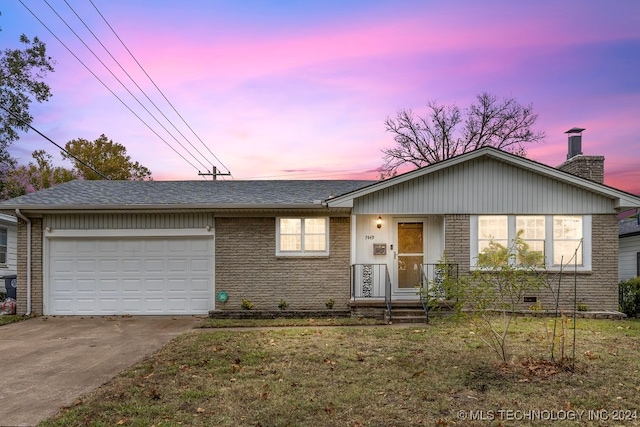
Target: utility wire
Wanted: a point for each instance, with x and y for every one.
(15, 116)
(156, 86)
(122, 84)
(134, 82)
(107, 87)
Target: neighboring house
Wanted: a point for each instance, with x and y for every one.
(629, 256)
(130, 247)
(8, 246)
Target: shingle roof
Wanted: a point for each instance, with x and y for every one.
(628, 226)
(184, 193)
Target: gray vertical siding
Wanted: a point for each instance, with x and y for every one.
(483, 186)
(129, 221)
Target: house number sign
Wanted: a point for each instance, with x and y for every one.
(379, 248)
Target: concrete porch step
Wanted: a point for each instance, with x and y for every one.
(406, 315)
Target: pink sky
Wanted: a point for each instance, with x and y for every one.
(300, 90)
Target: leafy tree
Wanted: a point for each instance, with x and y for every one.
(21, 82)
(36, 176)
(107, 157)
(490, 296)
(447, 131)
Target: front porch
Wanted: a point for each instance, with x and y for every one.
(374, 295)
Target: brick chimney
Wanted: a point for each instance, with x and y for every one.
(589, 167)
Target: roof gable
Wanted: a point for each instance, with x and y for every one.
(486, 180)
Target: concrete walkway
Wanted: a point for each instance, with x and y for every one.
(48, 362)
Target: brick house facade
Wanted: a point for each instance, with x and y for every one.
(124, 247)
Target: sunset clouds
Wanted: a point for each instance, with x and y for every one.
(300, 90)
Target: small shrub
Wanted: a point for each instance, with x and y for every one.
(630, 297)
(582, 307)
(283, 305)
(246, 304)
(329, 304)
(536, 307)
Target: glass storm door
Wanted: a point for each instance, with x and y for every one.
(410, 254)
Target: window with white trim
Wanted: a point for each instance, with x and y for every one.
(567, 234)
(563, 240)
(302, 236)
(3, 246)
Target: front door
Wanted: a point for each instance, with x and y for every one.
(409, 255)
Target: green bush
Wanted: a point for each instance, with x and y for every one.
(630, 297)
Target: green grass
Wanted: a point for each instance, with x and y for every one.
(364, 376)
(280, 322)
(10, 318)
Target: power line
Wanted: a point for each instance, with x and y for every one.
(122, 84)
(156, 86)
(107, 87)
(15, 116)
(135, 83)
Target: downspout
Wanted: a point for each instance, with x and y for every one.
(25, 219)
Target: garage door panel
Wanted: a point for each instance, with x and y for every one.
(132, 266)
(154, 247)
(132, 286)
(108, 247)
(86, 266)
(62, 266)
(154, 286)
(109, 305)
(63, 306)
(131, 247)
(199, 286)
(87, 247)
(177, 266)
(109, 286)
(85, 286)
(199, 246)
(108, 266)
(130, 276)
(200, 265)
(154, 266)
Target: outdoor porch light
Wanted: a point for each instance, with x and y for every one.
(379, 222)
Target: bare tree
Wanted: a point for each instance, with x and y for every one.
(447, 131)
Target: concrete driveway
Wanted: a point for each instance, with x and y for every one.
(48, 362)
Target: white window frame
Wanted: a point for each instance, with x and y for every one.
(5, 231)
(548, 245)
(303, 252)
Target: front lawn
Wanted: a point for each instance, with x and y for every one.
(11, 318)
(437, 374)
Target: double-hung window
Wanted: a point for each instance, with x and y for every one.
(302, 236)
(3, 246)
(560, 240)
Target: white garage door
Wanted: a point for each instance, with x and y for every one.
(171, 275)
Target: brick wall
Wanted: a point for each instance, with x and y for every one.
(597, 289)
(589, 167)
(247, 267)
(36, 267)
(457, 246)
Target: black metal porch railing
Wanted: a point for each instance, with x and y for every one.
(432, 283)
(371, 281)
